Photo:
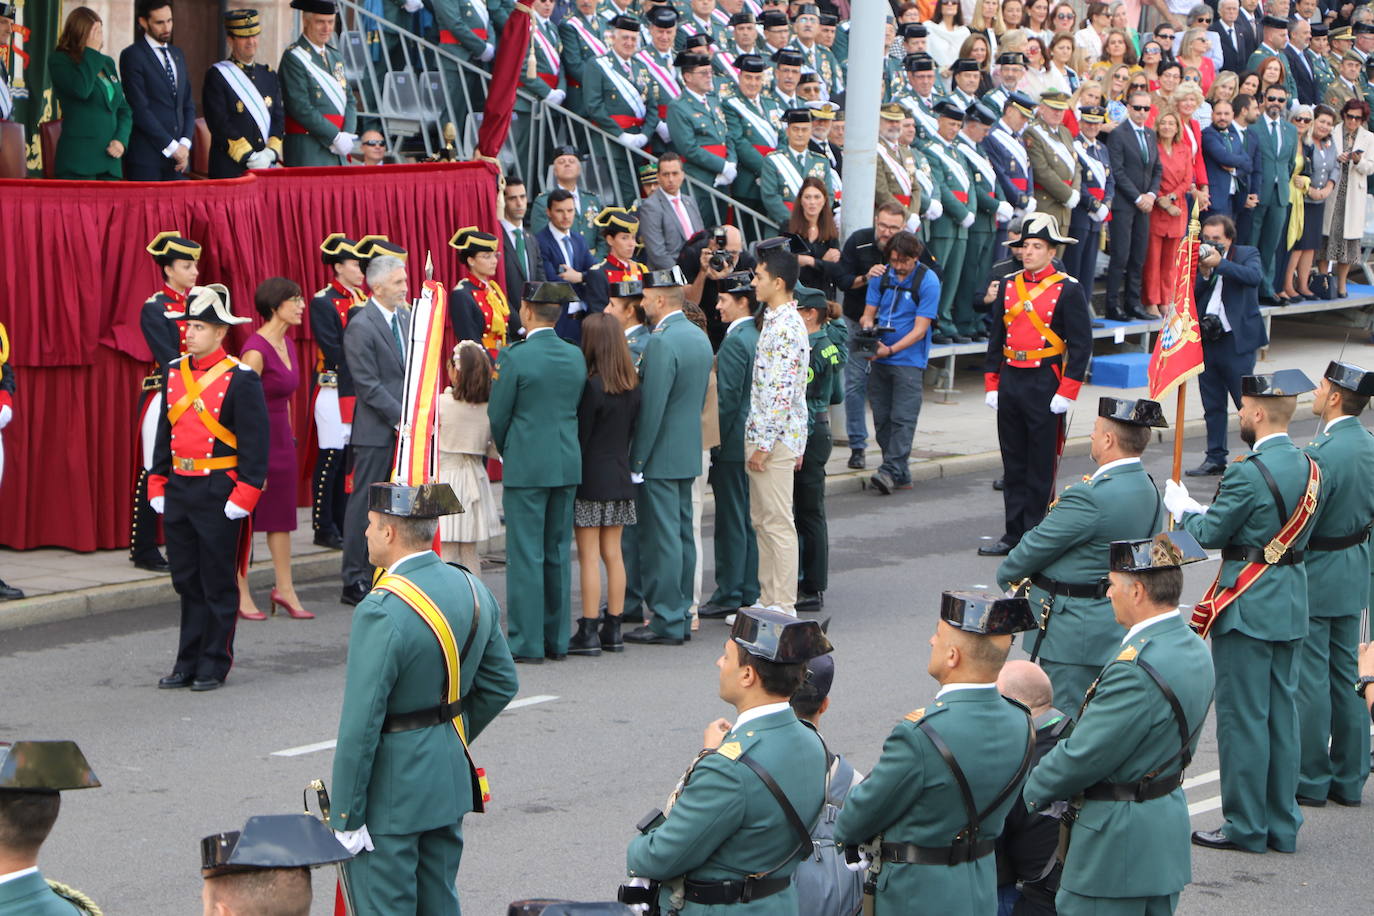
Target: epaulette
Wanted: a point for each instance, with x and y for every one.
(915, 715)
(466, 283)
(1128, 654)
(181, 358)
(730, 750)
(598, 265)
(1240, 458)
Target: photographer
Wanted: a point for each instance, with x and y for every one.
(1228, 281)
(707, 260)
(900, 306)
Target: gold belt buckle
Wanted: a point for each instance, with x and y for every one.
(1273, 552)
(186, 464)
(1019, 355)
(328, 380)
(152, 382)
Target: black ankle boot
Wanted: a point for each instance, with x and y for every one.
(610, 634)
(585, 641)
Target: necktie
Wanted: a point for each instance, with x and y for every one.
(396, 333)
(520, 250)
(1144, 147)
(167, 65)
(1274, 132)
(567, 246)
(682, 218)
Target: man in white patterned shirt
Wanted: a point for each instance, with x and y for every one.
(775, 429)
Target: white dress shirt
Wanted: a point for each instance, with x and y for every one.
(1148, 621)
(758, 712)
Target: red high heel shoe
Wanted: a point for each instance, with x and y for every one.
(244, 615)
(297, 613)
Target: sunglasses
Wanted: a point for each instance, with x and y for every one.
(374, 143)
(1275, 98)
(1063, 16)
(1302, 120)
(1192, 79)
(1140, 108)
(1151, 49)
(1165, 36)
(1353, 116)
(1203, 20)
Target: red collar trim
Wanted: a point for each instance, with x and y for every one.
(173, 294)
(1037, 277)
(206, 362)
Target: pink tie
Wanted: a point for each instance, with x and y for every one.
(682, 218)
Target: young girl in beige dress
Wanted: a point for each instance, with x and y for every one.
(464, 445)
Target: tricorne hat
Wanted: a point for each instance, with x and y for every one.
(427, 500)
(271, 841)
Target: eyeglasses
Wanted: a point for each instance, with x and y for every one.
(1064, 15)
(1275, 98)
(374, 143)
(1192, 79)
(1354, 116)
(1151, 49)
(1298, 120)
(1203, 20)
(1165, 36)
(1140, 108)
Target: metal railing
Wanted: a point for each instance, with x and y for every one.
(402, 85)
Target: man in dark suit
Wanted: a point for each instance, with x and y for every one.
(1235, 36)
(1135, 163)
(523, 262)
(1227, 161)
(667, 217)
(1297, 60)
(1246, 110)
(158, 87)
(1228, 280)
(566, 256)
(375, 350)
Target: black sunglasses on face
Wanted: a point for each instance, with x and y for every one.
(1302, 120)
(374, 143)
(1275, 98)
(1140, 108)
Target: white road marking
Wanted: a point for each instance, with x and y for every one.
(329, 745)
(1202, 807)
(1201, 779)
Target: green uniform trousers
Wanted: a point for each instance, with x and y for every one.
(808, 511)
(1067, 903)
(629, 552)
(668, 553)
(949, 254)
(408, 873)
(973, 283)
(736, 548)
(1329, 708)
(538, 569)
(1257, 740)
(1071, 682)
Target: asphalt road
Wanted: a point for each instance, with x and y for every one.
(601, 742)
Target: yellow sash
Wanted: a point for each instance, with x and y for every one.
(191, 398)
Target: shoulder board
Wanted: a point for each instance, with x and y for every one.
(599, 264)
(466, 283)
(157, 297)
(1240, 458)
(180, 359)
(731, 750)
(915, 715)
(323, 292)
(1128, 654)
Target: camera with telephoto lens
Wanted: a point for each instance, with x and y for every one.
(721, 260)
(867, 340)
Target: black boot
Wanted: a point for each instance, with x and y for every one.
(610, 634)
(585, 641)
(328, 473)
(143, 551)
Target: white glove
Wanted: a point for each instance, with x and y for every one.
(967, 220)
(1004, 212)
(1030, 205)
(1060, 404)
(913, 222)
(488, 53)
(662, 131)
(6, 415)
(262, 159)
(355, 841)
(343, 143)
(722, 180)
(935, 210)
(990, 399)
(633, 141)
(641, 141)
(865, 860)
(234, 511)
(636, 477)
(1099, 214)
(1178, 502)
(1072, 202)
(158, 503)
(413, 6)
(731, 170)
(556, 96)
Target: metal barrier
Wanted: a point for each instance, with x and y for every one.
(410, 88)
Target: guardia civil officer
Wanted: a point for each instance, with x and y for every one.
(265, 867)
(533, 410)
(1256, 613)
(1065, 556)
(1038, 350)
(737, 824)
(1123, 764)
(242, 103)
(33, 774)
(428, 670)
(330, 309)
(824, 386)
(1331, 721)
(321, 116)
(209, 467)
(178, 260)
(966, 752)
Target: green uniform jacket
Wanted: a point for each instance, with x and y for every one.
(1071, 545)
(544, 66)
(1274, 608)
(1055, 179)
(94, 112)
(459, 17)
(395, 665)
(726, 825)
(734, 379)
(605, 101)
(944, 159)
(1130, 849)
(1260, 54)
(582, 219)
(777, 192)
(824, 374)
(533, 411)
(676, 367)
(577, 55)
(694, 125)
(822, 60)
(987, 190)
(748, 136)
(1345, 453)
(911, 797)
(637, 339)
(307, 105)
(31, 895)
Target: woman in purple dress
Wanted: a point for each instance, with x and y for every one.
(269, 353)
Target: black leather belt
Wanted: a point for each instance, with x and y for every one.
(1067, 589)
(718, 893)
(1290, 556)
(421, 718)
(911, 854)
(1340, 543)
(1132, 791)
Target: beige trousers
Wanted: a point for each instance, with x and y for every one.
(770, 509)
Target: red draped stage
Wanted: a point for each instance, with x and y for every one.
(74, 275)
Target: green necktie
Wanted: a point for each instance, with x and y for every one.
(520, 249)
(396, 333)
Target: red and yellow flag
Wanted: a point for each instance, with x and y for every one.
(417, 446)
(1178, 348)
